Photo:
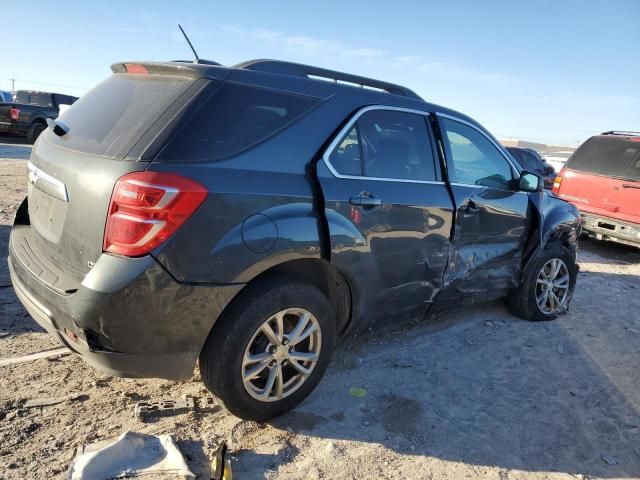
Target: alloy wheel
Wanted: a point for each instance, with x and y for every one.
(281, 354)
(552, 287)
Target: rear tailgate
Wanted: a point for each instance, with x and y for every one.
(5, 109)
(71, 178)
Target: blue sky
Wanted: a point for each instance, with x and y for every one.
(551, 71)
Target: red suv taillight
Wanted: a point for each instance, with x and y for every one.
(147, 208)
(14, 114)
(557, 182)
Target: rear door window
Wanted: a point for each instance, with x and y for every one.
(611, 156)
(22, 97)
(40, 99)
(346, 157)
(235, 118)
(386, 144)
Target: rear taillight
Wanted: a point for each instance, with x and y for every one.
(147, 208)
(14, 113)
(557, 182)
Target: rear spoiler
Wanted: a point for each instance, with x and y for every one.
(193, 70)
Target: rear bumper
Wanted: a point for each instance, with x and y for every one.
(606, 228)
(128, 317)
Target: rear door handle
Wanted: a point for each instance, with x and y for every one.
(365, 201)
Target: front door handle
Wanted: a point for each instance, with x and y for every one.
(367, 201)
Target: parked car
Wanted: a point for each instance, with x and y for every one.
(558, 159)
(27, 114)
(5, 97)
(247, 216)
(602, 178)
(533, 163)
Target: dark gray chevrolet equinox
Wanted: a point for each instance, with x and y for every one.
(247, 216)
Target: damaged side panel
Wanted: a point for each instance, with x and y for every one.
(491, 228)
(395, 254)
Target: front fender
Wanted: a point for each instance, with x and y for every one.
(561, 221)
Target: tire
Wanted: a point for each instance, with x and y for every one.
(34, 131)
(523, 302)
(238, 333)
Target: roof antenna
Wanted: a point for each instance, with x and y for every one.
(197, 60)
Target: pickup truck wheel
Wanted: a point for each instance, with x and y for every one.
(34, 131)
(269, 350)
(547, 285)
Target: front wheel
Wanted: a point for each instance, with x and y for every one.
(547, 285)
(269, 349)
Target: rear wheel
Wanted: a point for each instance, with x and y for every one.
(269, 349)
(34, 131)
(547, 285)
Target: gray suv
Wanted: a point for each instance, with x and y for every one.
(247, 216)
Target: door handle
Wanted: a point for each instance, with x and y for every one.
(367, 201)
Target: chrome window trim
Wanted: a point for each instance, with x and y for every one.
(58, 188)
(338, 138)
(458, 184)
(475, 127)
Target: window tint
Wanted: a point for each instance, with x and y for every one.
(40, 99)
(474, 160)
(526, 159)
(235, 118)
(608, 155)
(394, 145)
(22, 97)
(109, 119)
(345, 158)
(64, 99)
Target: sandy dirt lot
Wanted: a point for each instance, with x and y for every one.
(475, 393)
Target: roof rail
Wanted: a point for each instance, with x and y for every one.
(621, 132)
(308, 71)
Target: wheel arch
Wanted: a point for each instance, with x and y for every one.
(319, 273)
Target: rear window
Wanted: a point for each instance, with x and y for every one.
(610, 156)
(112, 117)
(235, 118)
(34, 98)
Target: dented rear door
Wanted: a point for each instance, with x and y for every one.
(388, 212)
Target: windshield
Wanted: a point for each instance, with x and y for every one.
(612, 156)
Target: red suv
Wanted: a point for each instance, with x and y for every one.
(602, 178)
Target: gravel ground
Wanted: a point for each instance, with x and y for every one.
(475, 393)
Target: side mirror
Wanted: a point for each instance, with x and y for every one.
(530, 182)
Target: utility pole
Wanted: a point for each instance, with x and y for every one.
(13, 84)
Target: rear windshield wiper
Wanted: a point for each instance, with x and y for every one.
(58, 127)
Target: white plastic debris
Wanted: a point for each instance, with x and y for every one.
(130, 455)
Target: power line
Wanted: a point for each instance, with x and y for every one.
(13, 80)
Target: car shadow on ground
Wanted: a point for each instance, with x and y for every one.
(485, 388)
